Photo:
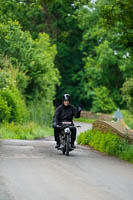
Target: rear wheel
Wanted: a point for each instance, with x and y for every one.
(67, 145)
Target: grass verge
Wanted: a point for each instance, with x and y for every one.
(28, 131)
(108, 143)
(86, 120)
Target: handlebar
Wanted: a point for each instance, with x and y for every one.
(67, 126)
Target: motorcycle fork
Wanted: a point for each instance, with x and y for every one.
(69, 138)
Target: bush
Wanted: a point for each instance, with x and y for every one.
(10, 75)
(127, 93)
(4, 79)
(108, 143)
(12, 106)
(5, 110)
(128, 118)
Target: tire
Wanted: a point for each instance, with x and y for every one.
(67, 145)
(63, 151)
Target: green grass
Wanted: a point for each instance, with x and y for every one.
(108, 143)
(28, 131)
(86, 120)
(128, 118)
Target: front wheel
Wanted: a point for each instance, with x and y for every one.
(67, 145)
(63, 151)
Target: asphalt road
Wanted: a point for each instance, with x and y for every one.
(35, 170)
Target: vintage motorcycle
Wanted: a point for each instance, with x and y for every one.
(65, 137)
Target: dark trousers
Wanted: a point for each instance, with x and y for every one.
(73, 135)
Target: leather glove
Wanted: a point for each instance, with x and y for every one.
(79, 108)
(54, 125)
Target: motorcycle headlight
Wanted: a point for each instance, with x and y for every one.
(67, 130)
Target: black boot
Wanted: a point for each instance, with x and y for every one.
(57, 145)
(72, 145)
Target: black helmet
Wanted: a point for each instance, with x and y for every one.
(66, 97)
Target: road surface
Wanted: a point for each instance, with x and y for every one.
(35, 170)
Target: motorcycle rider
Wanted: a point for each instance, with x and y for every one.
(65, 113)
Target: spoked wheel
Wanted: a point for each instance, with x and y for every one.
(67, 145)
(64, 150)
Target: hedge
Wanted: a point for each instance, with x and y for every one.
(108, 143)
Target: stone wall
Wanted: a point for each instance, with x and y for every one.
(86, 114)
(114, 127)
(100, 116)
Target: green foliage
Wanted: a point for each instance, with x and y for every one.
(27, 68)
(28, 13)
(11, 76)
(28, 131)
(107, 62)
(128, 118)
(117, 16)
(41, 112)
(86, 120)
(127, 93)
(127, 153)
(4, 79)
(5, 110)
(94, 49)
(35, 58)
(12, 105)
(99, 58)
(102, 102)
(108, 143)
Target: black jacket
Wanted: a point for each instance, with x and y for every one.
(65, 114)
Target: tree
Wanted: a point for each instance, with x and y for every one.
(57, 19)
(34, 57)
(117, 16)
(102, 101)
(93, 47)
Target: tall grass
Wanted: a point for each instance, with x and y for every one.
(41, 113)
(28, 131)
(37, 126)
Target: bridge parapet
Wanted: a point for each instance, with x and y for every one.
(100, 116)
(114, 127)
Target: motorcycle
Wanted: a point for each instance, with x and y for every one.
(65, 137)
